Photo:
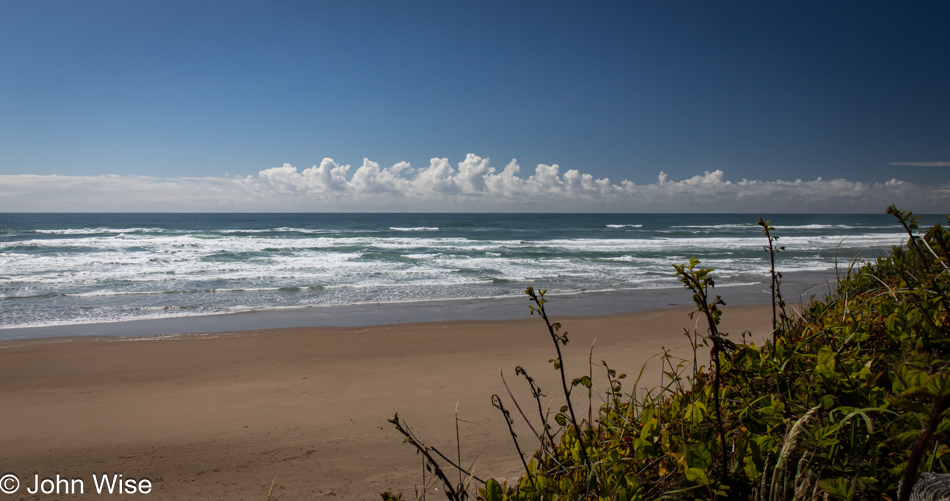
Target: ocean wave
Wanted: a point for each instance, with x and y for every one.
(715, 226)
(831, 227)
(93, 273)
(213, 290)
(96, 231)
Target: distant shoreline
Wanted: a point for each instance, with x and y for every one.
(597, 303)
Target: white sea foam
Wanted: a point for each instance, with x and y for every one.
(97, 273)
(93, 231)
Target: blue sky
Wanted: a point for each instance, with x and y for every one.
(103, 92)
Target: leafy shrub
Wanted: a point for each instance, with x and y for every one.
(847, 400)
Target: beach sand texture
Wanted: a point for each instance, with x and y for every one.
(218, 417)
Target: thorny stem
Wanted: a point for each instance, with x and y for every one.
(772, 269)
(496, 401)
(703, 303)
(775, 283)
(567, 393)
(536, 392)
(450, 491)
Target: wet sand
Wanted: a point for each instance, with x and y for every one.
(220, 416)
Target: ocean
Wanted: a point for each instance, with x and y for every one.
(73, 269)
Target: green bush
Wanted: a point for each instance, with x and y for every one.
(847, 400)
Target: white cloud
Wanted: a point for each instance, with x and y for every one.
(437, 178)
(507, 184)
(472, 174)
(474, 186)
(370, 179)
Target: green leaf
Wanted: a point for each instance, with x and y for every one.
(751, 470)
(827, 401)
(826, 363)
(695, 413)
(583, 381)
(838, 488)
(699, 456)
(939, 385)
(915, 378)
(697, 475)
(493, 491)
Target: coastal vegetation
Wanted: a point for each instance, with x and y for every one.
(847, 398)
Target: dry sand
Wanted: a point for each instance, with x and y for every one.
(218, 417)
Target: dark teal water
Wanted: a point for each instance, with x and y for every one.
(60, 269)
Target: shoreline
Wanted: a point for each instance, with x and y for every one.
(220, 416)
(594, 303)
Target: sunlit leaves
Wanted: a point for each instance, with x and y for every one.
(872, 362)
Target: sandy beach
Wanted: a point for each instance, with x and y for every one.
(220, 416)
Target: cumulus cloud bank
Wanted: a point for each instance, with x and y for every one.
(471, 185)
